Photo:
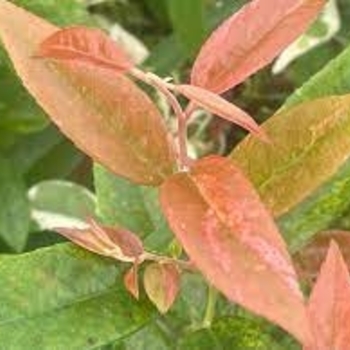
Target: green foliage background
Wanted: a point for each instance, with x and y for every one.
(56, 296)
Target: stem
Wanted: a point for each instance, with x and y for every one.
(211, 306)
(185, 265)
(164, 88)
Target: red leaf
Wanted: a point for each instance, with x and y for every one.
(329, 305)
(116, 243)
(85, 44)
(131, 281)
(231, 238)
(308, 260)
(162, 283)
(105, 114)
(251, 39)
(217, 105)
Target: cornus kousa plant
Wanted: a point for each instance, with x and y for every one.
(238, 221)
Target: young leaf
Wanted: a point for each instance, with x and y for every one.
(131, 281)
(251, 39)
(85, 44)
(118, 243)
(105, 114)
(309, 259)
(217, 105)
(329, 305)
(162, 283)
(231, 238)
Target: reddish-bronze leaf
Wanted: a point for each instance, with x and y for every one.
(217, 105)
(308, 260)
(131, 281)
(251, 39)
(85, 44)
(162, 284)
(231, 238)
(117, 243)
(105, 114)
(329, 305)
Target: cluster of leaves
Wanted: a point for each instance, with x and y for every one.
(221, 210)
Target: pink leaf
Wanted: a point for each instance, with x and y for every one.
(104, 114)
(162, 283)
(131, 281)
(217, 105)
(225, 229)
(117, 243)
(329, 305)
(85, 44)
(251, 39)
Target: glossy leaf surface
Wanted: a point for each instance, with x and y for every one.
(64, 297)
(231, 238)
(251, 39)
(217, 105)
(329, 305)
(87, 45)
(162, 284)
(106, 115)
(58, 203)
(309, 146)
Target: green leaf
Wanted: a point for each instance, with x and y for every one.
(231, 333)
(135, 207)
(14, 209)
(304, 175)
(57, 203)
(63, 297)
(169, 55)
(333, 79)
(18, 110)
(188, 23)
(120, 202)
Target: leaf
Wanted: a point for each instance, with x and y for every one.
(236, 333)
(120, 202)
(106, 116)
(228, 234)
(14, 210)
(217, 105)
(57, 203)
(309, 259)
(187, 18)
(64, 297)
(162, 283)
(125, 204)
(87, 45)
(329, 304)
(324, 29)
(249, 40)
(19, 112)
(131, 281)
(303, 175)
(169, 55)
(333, 79)
(117, 243)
